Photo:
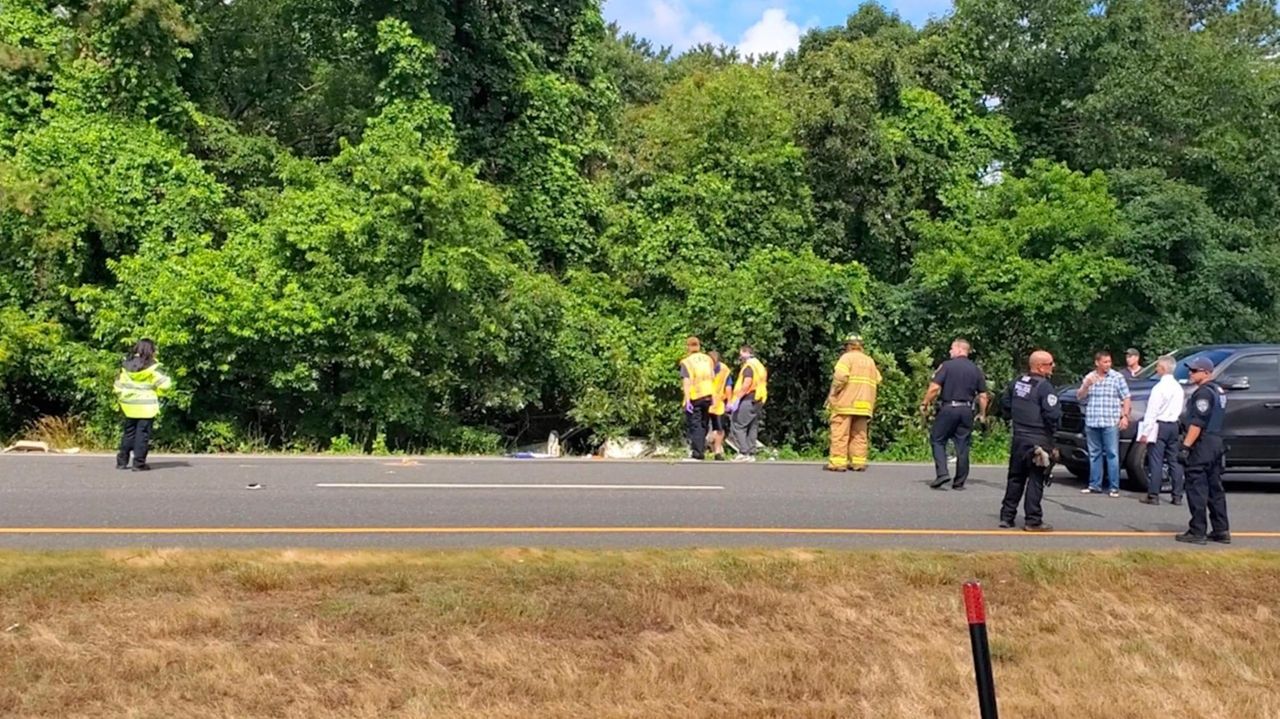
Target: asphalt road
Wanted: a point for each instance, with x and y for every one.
(52, 502)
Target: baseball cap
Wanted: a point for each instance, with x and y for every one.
(1200, 364)
(1132, 351)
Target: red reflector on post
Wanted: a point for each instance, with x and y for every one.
(974, 606)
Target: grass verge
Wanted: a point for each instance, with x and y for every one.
(532, 634)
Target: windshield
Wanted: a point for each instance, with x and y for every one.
(1180, 373)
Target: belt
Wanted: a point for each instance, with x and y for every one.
(958, 404)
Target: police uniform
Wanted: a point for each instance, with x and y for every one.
(961, 382)
(1205, 461)
(1033, 406)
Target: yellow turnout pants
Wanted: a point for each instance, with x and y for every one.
(849, 440)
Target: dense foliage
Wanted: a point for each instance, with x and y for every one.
(454, 226)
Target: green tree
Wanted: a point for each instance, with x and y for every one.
(1035, 265)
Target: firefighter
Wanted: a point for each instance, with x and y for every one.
(852, 401)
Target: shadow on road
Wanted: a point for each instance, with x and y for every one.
(168, 465)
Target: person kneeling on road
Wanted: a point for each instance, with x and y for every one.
(1033, 406)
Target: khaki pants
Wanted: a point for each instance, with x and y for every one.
(849, 440)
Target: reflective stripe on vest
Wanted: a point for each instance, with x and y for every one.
(140, 400)
(702, 375)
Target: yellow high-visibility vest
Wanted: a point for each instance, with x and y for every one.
(702, 375)
(761, 377)
(720, 390)
(138, 393)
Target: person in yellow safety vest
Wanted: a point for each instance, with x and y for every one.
(852, 401)
(720, 396)
(749, 395)
(698, 377)
(138, 388)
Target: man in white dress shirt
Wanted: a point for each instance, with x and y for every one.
(1160, 431)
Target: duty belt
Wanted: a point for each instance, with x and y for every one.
(957, 404)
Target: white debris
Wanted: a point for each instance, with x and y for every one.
(27, 446)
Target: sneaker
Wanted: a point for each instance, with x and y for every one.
(1090, 490)
(1190, 538)
(834, 468)
(1220, 537)
(1006, 524)
(1114, 493)
(957, 487)
(939, 483)
(1176, 501)
(1150, 499)
(1042, 527)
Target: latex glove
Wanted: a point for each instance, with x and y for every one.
(688, 406)
(733, 406)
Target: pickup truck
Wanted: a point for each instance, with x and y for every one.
(1249, 373)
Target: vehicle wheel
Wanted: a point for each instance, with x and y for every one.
(1135, 468)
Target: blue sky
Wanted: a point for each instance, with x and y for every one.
(753, 25)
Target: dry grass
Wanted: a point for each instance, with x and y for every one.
(531, 634)
(60, 433)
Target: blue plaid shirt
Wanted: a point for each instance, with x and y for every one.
(1105, 400)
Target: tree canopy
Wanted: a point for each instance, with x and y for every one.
(451, 226)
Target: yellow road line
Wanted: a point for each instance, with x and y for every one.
(834, 531)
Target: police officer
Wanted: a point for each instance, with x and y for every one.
(956, 384)
(1033, 405)
(1205, 455)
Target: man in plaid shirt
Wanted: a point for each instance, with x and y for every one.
(1105, 395)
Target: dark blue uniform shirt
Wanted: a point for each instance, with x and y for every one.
(1207, 409)
(1033, 405)
(961, 380)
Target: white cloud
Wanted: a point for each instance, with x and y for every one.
(773, 32)
(663, 22)
(678, 23)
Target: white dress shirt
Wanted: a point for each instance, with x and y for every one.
(1165, 403)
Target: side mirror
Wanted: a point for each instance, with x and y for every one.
(1235, 384)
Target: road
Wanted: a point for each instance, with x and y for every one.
(50, 502)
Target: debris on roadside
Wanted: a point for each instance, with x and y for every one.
(543, 450)
(27, 446)
(632, 448)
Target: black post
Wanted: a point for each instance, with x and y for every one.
(976, 610)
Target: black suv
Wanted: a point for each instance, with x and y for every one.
(1249, 373)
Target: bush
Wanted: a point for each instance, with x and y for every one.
(342, 444)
